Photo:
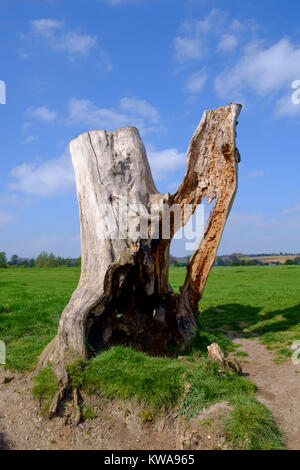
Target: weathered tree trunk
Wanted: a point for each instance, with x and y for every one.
(123, 296)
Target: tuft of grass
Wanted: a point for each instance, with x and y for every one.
(87, 412)
(209, 386)
(45, 387)
(146, 416)
(251, 426)
(241, 354)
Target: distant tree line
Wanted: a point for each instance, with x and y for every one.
(234, 260)
(178, 262)
(44, 260)
(49, 260)
(252, 255)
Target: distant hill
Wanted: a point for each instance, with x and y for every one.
(240, 258)
(271, 258)
(175, 261)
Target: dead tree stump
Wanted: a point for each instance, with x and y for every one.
(123, 296)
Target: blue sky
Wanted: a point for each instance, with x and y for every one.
(70, 67)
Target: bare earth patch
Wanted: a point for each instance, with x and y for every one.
(22, 426)
(278, 387)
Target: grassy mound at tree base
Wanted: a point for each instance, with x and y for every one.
(158, 384)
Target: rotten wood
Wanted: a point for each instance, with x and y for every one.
(216, 354)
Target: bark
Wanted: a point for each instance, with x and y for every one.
(123, 296)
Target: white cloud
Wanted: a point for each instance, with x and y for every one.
(198, 35)
(228, 43)
(196, 81)
(165, 162)
(85, 112)
(42, 113)
(26, 125)
(294, 209)
(56, 176)
(139, 106)
(75, 42)
(46, 26)
(44, 178)
(31, 138)
(139, 113)
(56, 35)
(264, 70)
(188, 48)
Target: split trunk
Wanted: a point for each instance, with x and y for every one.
(123, 296)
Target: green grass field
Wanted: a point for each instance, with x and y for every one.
(31, 302)
(260, 301)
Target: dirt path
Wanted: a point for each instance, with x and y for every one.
(278, 387)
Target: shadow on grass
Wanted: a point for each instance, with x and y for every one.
(216, 324)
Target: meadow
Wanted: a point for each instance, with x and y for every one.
(260, 301)
(257, 301)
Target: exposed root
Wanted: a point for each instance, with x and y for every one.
(54, 355)
(77, 413)
(56, 401)
(63, 381)
(48, 354)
